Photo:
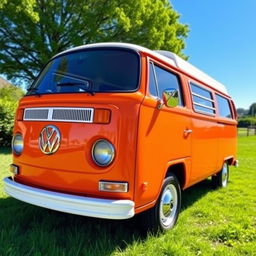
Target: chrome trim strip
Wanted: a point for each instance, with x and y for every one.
(204, 112)
(202, 97)
(203, 106)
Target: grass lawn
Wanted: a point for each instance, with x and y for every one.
(220, 222)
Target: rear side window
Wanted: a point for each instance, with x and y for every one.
(164, 80)
(202, 100)
(223, 106)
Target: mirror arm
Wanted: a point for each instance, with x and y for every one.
(160, 104)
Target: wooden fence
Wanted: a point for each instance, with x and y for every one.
(251, 130)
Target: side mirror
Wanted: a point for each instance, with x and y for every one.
(171, 97)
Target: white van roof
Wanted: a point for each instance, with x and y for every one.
(167, 56)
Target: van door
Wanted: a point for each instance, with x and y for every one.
(161, 137)
(205, 133)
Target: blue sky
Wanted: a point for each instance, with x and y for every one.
(222, 43)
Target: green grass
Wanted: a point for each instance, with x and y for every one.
(212, 222)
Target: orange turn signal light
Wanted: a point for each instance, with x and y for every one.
(113, 186)
(101, 116)
(14, 169)
(19, 114)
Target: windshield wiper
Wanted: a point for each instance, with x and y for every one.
(82, 86)
(34, 91)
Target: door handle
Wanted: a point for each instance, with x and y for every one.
(187, 132)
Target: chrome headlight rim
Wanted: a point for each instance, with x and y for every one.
(14, 147)
(111, 148)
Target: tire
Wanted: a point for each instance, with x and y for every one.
(220, 180)
(164, 214)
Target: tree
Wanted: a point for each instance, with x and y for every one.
(252, 110)
(32, 31)
(242, 111)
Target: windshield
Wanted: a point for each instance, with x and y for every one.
(97, 70)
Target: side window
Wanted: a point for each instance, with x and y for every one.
(202, 100)
(165, 80)
(152, 80)
(223, 106)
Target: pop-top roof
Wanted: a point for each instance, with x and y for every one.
(167, 56)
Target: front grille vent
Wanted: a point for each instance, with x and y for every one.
(79, 115)
(36, 114)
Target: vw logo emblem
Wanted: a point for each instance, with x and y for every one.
(49, 139)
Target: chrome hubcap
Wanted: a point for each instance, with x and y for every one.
(168, 205)
(224, 176)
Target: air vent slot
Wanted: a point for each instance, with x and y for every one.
(36, 114)
(72, 114)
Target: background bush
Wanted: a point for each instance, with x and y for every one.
(9, 97)
(246, 121)
(7, 112)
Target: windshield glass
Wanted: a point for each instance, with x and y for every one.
(97, 70)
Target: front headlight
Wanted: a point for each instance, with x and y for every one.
(17, 144)
(103, 152)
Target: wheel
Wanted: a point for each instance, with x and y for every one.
(164, 214)
(220, 180)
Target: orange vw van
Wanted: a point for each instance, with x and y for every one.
(111, 130)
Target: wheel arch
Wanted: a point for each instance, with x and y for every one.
(179, 170)
(230, 160)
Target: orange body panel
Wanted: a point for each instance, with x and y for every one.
(147, 140)
(71, 168)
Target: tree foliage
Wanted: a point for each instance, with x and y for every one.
(11, 93)
(23, 6)
(9, 96)
(7, 112)
(32, 31)
(252, 110)
(242, 111)
(247, 121)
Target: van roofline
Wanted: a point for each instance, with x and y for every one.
(169, 57)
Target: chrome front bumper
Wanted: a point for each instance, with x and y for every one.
(80, 205)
